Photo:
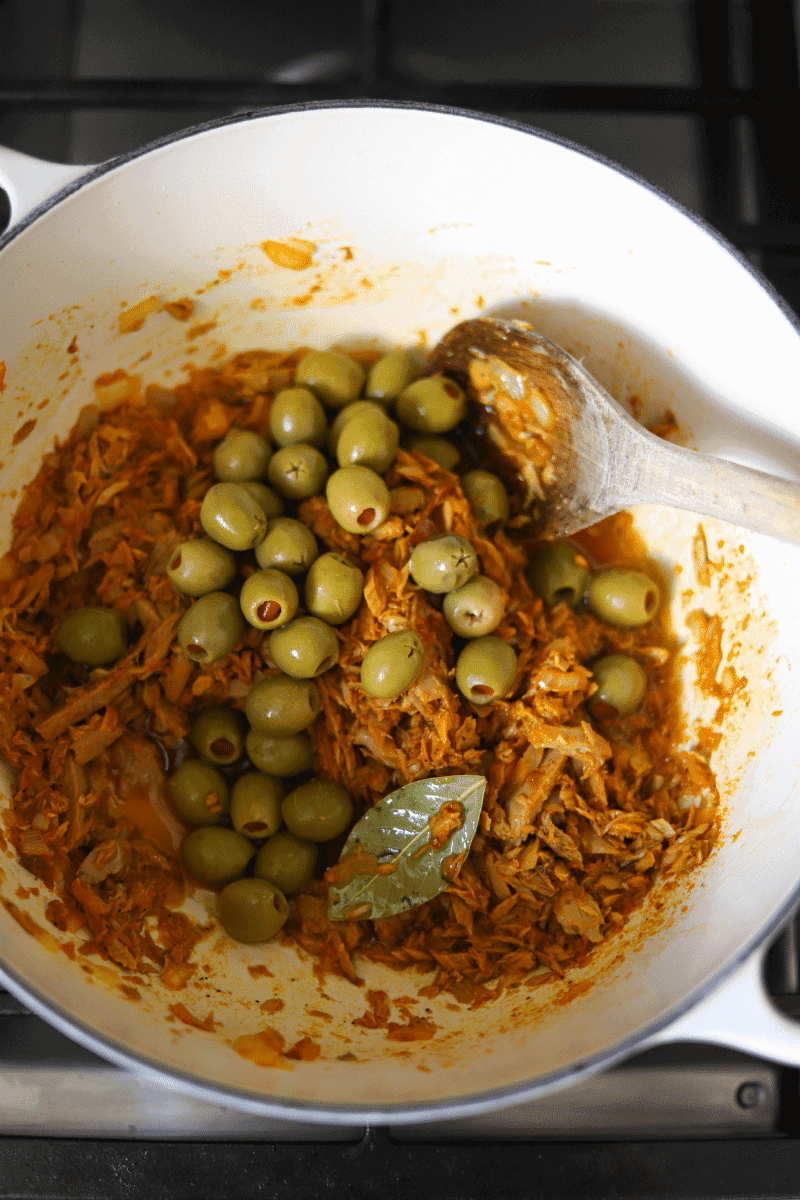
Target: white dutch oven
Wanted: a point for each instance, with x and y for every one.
(422, 217)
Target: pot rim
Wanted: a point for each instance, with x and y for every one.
(485, 1100)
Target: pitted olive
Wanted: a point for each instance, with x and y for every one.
(201, 566)
(211, 628)
(389, 376)
(268, 599)
(332, 376)
(432, 405)
(298, 471)
(358, 499)
(486, 670)
(93, 636)
(241, 455)
(252, 910)
(288, 546)
(297, 416)
(280, 705)
(443, 563)
(231, 516)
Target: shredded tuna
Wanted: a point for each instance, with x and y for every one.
(577, 820)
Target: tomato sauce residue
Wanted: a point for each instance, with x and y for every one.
(264, 1048)
(413, 1029)
(154, 819)
(26, 922)
(443, 823)
(197, 331)
(294, 253)
(304, 1051)
(181, 309)
(23, 432)
(417, 1029)
(358, 862)
(452, 864)
(188, 1018)
(260, 972)
(132, 319)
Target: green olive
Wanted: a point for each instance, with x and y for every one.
(201, 566)
(358, 499)
(437, 449)
(280, 756)
(304, 648)
(334, 377)
(241, 455)
(211, 628)
(216, 856)
(392, 664)
(256, 805)
(252, 910)
(93, 636)
(280, 705)
(370, 440)
(318, 811)
(231, 516)
(432, 405)
(288, 546)
(486, 670)
(287, 861)
(621, 685)
(623, 597)
(487, 496)
(297, 416)
(475, 609)
(217, 736)
(269, 501)
(358, 408)
(198, 793)
(268, 599)
(443, 563)
(334, 588)
(559, 574)
(389, 376)
(298, 471)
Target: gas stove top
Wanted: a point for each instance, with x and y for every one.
(682, 1121)
(700, 99)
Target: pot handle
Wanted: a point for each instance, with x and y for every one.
(27, 181)
(740, 1015)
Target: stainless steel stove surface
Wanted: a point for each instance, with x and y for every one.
(700, 99)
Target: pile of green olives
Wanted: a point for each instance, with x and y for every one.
(621, 596)
(473, 607)
(251, 839)
(244, 511)
(241, 512)
(560, 574)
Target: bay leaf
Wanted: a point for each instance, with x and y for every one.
(390, 862)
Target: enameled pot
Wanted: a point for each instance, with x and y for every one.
(421, 217)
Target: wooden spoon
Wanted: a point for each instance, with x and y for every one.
(580, 454)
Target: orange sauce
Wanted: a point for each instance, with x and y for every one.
(357, 863)
(263, 1049)
(154, 819)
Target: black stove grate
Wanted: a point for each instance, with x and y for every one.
(746, 98)
(746, 103)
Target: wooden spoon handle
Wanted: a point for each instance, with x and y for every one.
(647, 470)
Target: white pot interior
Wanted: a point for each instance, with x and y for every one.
(444, 217)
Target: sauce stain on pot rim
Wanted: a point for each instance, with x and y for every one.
(116, 1043)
